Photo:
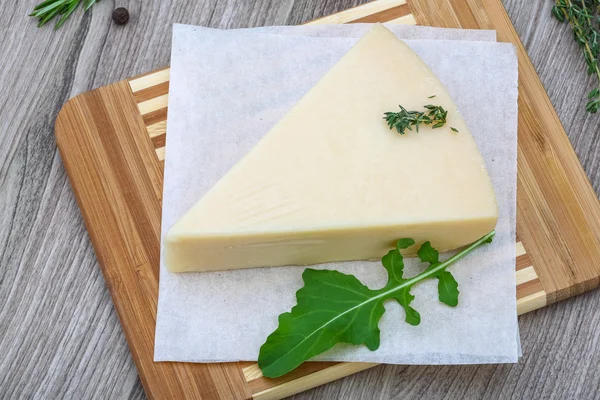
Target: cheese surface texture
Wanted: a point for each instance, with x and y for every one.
(331, 181)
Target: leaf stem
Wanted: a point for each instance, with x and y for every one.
(280, 354)
(408, 283)
(431, 272)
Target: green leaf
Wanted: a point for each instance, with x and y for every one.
(393, 262)
(405, 298)
(67, 13)
(48, 9)
(593, 106)
(43, 4)
(333, 307)
(404, 119)
(87, 4)
(447, 289)
(428, 254)
(447, 285)
(47, 17)
(583, 19)
(404, 243)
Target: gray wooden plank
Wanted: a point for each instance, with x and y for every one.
(59, 334)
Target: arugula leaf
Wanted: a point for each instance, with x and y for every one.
(393, 262)
(333, 307)
(447, 289)
(447, 285)
(428, 254)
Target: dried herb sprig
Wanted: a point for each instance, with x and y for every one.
(47, 10)
(582, 16)
(404, 119)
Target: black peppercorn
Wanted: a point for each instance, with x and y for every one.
(120, 16)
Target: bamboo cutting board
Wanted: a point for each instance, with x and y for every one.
(112, 143)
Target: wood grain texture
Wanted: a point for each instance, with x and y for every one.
(90, 135)
(123, 160)
(150, 92)
(558, 213)
(59, 335)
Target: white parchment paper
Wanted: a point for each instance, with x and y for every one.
(226, 316)
(405, 32)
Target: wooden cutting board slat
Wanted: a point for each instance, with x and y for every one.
(112, 143)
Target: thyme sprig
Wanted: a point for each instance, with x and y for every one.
(404, 119)
(582, 16)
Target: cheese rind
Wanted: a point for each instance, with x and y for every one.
(331, 182)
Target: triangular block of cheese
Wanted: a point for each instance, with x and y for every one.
(332, 182)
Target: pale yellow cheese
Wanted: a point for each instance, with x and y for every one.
(331, 181)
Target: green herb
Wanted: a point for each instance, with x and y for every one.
(333, 307)
(404, 119)
(47, 10)
(431, 97)
(582, 16)
(453, 129)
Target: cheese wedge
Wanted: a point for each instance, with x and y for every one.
(331, 181)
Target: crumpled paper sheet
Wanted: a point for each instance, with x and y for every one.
(226, 316)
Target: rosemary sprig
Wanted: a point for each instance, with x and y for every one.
(47, 10)
(581, 16)
(404, 119)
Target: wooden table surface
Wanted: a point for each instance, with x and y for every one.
(59, 333)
